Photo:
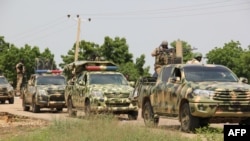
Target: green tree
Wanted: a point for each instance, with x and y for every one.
(229, 55)
(10, 56)
(116, 50)
(86, 51)
(3, 45)
(139, 65)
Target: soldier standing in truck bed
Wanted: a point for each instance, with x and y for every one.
(161, 57)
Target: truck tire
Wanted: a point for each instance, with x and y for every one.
(87, 108)
(35, 108)
(59, 109)
(245, 122)
(132, 115)
(11, 100)
(148, 116)
(25, 107)
(188, 122)
(70, 109)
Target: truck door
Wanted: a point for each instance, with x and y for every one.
(161, 90)
(31, 90)
(173, 85)
(78, 91)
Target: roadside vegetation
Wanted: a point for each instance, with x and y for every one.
(109, 128)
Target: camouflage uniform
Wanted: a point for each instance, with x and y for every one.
(20, 69)
(161, 57)
(196, 59)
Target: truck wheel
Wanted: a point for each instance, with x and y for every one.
(35, 108)
(148, 116)
(59, 109)
(70, 109)
(204, 122)
(245, 122)
(25, 108)
(188, 122)
(132, 115)
(11, 100)
(87, 108)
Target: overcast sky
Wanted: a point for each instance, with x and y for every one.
(144, 23)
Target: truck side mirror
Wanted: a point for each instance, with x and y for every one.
(82, 83)
(174, 79)
(132, 83)
(30, 83)
(243, 80)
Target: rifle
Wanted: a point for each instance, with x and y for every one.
(168, 51)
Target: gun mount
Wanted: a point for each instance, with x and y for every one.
(175, 55)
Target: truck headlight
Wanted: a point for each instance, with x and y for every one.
(42, 92)
(98, 94)
(10, 89)
(204, 93)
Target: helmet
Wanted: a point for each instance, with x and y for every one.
(197, 54)
(164, 43)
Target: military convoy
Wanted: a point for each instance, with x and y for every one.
(195, 94)
(98, 87)
(45, 89)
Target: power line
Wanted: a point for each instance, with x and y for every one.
(134, 14)
(37, 29)
(145, 14)
(52, 33)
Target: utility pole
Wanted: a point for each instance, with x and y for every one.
(77, 38)
(79, 20)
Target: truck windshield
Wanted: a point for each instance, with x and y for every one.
(117, 79)
(208, 73)
(3, 80)
(50, 80)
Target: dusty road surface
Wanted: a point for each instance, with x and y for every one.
(46, 115)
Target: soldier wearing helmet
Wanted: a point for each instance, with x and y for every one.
(161, 57)
(197, 58)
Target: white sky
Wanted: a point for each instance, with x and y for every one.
(144, 23)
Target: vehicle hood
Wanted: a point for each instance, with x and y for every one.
(221, 86)
(112, 90)
(5, 87)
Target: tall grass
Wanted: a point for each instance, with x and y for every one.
(100, 128)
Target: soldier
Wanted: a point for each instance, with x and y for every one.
(196, 59)
(161, 56)
(20, 70)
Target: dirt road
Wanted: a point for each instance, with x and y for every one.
(49, 115)
(16, 108)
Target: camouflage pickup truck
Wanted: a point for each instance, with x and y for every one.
(6, 91)
(196, 95)
(98, 87)
(45, 89)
